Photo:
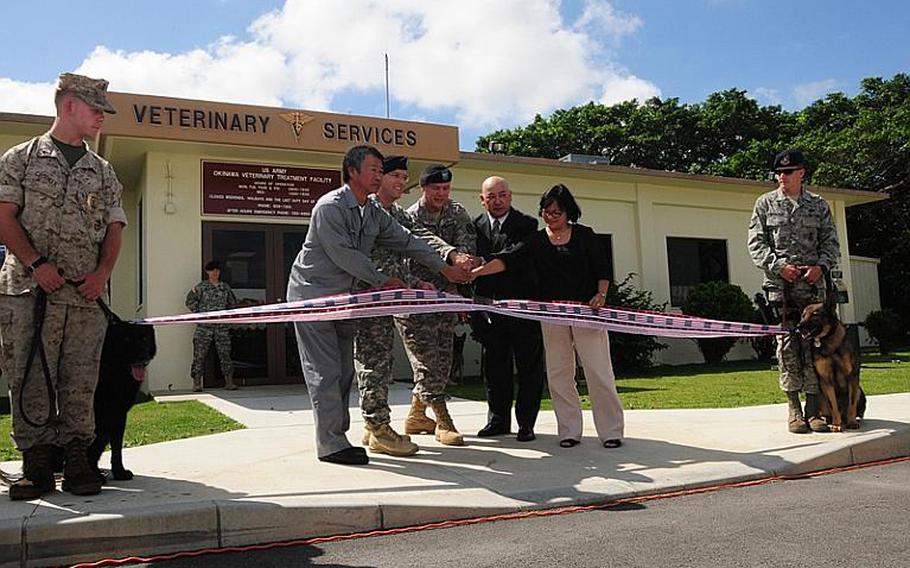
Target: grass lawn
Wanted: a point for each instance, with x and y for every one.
(726, 385)
(151, 422)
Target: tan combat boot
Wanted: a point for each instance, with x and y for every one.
(816, 422)
(385, 440)
(445, 428)
(417, 421)
(229, 384)
(796, 422)
(367, 432)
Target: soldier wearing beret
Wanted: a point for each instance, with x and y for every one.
(428, 338)
(792, 237)
(62, 220)
(211, 294)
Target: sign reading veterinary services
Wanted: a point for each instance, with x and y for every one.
(145, 116)
(263, 190)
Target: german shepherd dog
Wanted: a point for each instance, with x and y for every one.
(836, 363)
(128, 349)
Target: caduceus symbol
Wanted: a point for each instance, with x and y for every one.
(296, 120)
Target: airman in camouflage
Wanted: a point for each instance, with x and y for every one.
(428, 337)
(374, 339)
(62, 220)
(792, 238)
(210, 295)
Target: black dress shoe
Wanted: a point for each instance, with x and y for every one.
(493, 429)
(525, 435)
(347, 456)
(568, 443)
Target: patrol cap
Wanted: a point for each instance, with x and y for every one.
(213, 265)
(392, 163)
(435, 173)
(92, 91)
(789, 160)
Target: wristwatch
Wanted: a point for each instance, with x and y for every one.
(38, 262)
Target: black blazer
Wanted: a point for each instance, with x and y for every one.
(519, 281)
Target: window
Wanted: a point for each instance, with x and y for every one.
(692, 262)
(606, 241)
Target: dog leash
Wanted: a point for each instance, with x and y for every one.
(37, 349)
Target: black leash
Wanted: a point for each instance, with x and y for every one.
(37, 348)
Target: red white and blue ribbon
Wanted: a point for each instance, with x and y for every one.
(408, 301)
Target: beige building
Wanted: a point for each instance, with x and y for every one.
(207, 180)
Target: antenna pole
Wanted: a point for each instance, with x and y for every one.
(387, 111)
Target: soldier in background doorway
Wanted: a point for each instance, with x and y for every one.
(209, 295)
(792, 238)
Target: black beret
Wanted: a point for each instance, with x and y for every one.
(789, 160)
(392, 163)
(213, 265)
(435, 173)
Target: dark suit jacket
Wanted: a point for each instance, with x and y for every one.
(520, 281)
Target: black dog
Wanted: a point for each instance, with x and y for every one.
(128, 349)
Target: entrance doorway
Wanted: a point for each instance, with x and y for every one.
(256, 261)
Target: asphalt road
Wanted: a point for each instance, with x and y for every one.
(851, 519)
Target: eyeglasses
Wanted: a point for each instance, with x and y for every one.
(552, 214)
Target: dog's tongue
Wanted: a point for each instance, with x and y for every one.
(138, 373)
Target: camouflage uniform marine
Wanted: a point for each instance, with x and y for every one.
(374, 339)
(207, 297)
(428, 337)
(64, 210)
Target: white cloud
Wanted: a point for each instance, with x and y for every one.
(28, 98)
(767, 96)
(807, 93)
(488, 63)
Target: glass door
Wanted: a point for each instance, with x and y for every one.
(256, 261)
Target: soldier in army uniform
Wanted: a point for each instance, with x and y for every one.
(62, 220)
(792, 238)
(428, 337)
(374, 339)
(209, 295)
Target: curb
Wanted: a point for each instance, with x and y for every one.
(61, 538)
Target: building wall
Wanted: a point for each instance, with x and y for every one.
(865, 296)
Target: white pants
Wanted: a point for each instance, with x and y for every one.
(593, 347)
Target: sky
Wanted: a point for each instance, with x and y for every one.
(481, 65)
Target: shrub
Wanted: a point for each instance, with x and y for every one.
(631, 352)
(723, 301)
(886, 329)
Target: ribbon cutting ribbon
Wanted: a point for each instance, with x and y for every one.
(407, 301)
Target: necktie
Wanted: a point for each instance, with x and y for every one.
(496, 227)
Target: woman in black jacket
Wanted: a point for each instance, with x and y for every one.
(571, 265)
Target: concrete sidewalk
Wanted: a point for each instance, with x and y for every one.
(264, 484)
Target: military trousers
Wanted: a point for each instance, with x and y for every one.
(73, 337)
(794, 353)
(428, 342)
(203, 338)
(373, 345)
(327, 359)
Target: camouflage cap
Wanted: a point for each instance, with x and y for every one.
(92, 91)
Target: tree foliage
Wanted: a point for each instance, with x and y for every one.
(859, 142)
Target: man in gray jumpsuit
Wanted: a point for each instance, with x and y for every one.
(792, 238)
(61, 218)
(344, 228)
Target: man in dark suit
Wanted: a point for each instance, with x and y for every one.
(507, 340)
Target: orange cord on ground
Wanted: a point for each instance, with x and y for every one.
(475, 521)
